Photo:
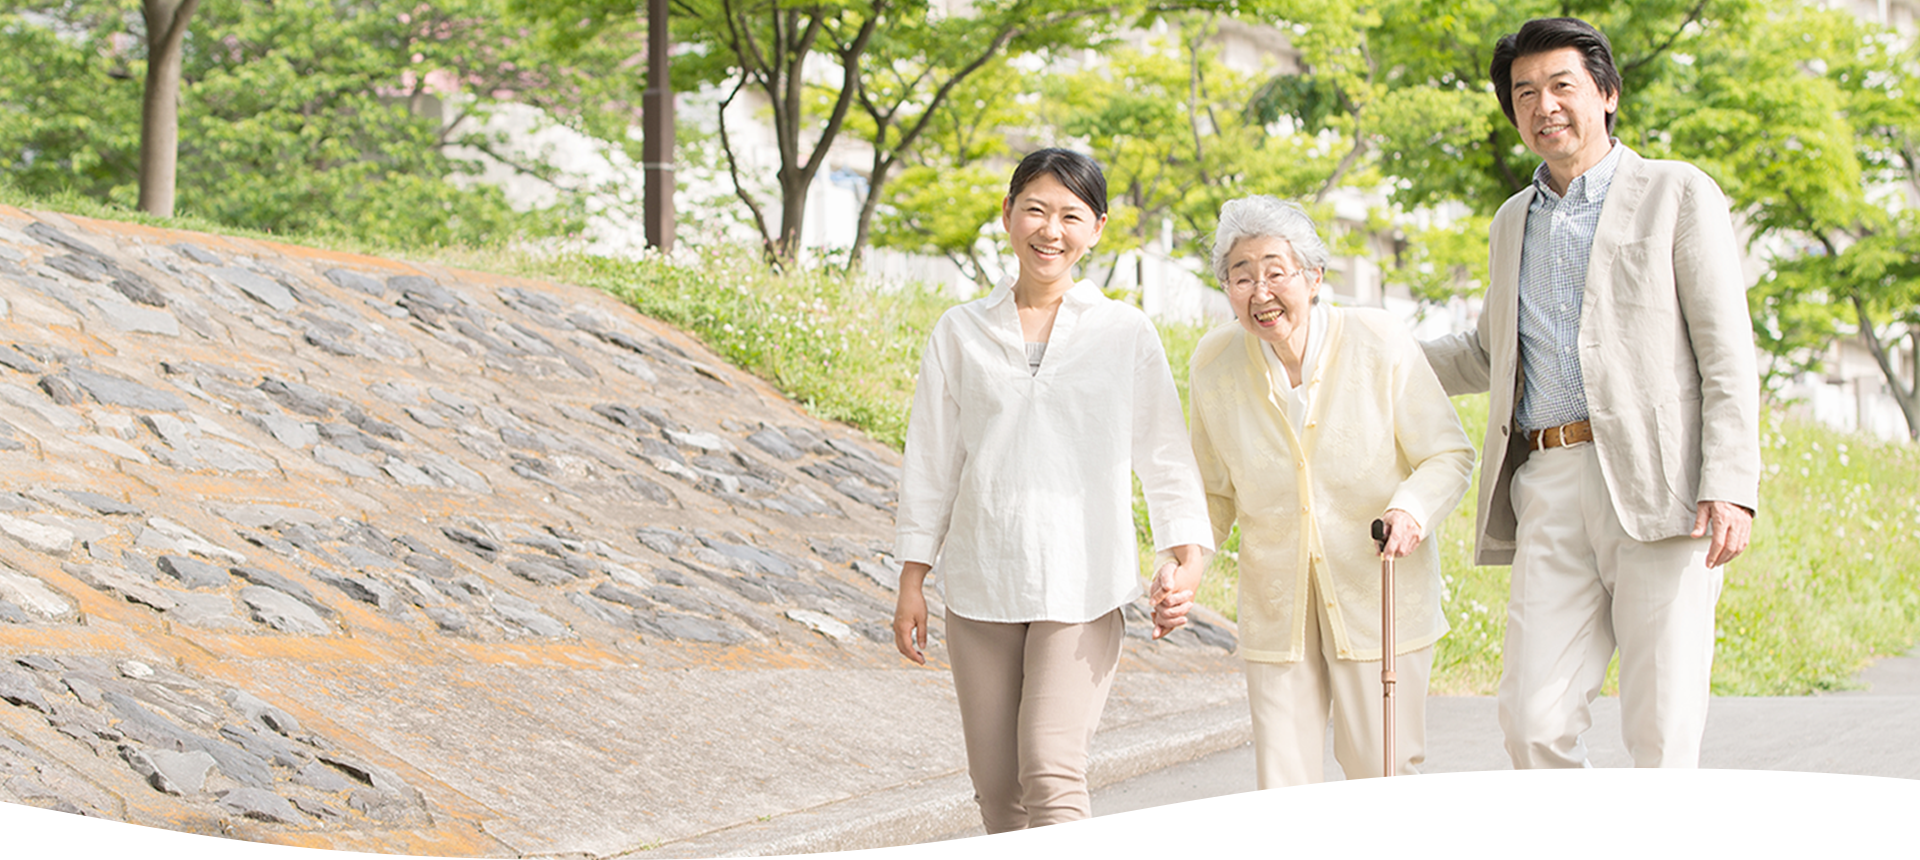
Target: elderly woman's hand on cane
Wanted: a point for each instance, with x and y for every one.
(1403, 533)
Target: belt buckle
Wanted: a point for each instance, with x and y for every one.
(1538, 440)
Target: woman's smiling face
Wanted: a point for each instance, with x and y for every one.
(1270, 291)
(1050, 228)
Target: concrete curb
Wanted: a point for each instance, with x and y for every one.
(943, 806)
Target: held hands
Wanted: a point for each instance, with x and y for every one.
(1173, 587)
(1403, 534)
(910, 613)
(1730, 524)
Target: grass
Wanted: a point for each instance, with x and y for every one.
(1830, 581)
(79, 204)
(1832, 578)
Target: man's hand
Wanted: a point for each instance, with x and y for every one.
(910, 613)
(1731, 526)
(1403, 533)
(1174, 585)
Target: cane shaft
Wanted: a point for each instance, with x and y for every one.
(1386, 663)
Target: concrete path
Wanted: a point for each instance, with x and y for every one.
(1780, 780)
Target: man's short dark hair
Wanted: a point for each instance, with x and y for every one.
(1541, 35)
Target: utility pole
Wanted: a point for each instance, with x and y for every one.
(657, 124)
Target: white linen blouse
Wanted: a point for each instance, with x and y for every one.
(1016, 487)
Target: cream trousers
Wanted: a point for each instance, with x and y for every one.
(1292, 701)
(1030, 697)
(1582, 587)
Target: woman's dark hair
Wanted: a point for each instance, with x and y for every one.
(1541, 35)
(1079, 173)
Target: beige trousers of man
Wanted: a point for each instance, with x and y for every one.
(1291, 703)
(1030, 696)
(1580, 587)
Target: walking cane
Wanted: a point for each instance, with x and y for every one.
(1386, 642)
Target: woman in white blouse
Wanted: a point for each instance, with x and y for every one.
(1308, 423)
(1034, 405)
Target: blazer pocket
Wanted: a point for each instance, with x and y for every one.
(1678, 425)
(1642, 279)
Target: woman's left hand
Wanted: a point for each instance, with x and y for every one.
(1403, 533)
(1173, 588)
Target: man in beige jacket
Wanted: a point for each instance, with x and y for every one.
(1622, 460)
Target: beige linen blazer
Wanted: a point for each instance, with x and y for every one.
(1666, 356)
(1379, 434)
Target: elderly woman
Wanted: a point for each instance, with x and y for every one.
(1310, 422)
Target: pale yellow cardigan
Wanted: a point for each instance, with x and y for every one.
(1380, 434)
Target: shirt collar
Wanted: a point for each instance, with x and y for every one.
(1588, 187)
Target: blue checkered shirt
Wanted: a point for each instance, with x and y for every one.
(1553, 278)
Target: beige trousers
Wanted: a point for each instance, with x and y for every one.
(1582, 587)
(1030, 696)
(1292, 701)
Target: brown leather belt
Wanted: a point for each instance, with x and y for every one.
(1565, 434)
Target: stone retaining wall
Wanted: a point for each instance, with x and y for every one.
(330, 550)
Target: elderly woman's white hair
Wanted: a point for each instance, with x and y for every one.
(1262, 216)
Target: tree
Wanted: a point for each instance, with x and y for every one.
(771, 46)
(302, 115)
(914, 68)
(880, 69)
(1172, 127)
(1808, 119)
(947, 199)
(160, 102)
(1179, 133)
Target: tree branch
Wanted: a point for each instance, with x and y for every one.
(1193, 105)
(178, 26)
(1909, 405)
(1692, 16)
(733, 170)
(1359, 147)
(850, 84)
(1500, 161)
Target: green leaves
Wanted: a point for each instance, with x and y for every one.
(1807, 117)
(298, 116)
(70, 116)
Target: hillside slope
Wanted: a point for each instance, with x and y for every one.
(339, 551)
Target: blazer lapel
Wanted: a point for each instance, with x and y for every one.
(1616, 220)
(1508, 234)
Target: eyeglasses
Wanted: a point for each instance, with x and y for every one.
(1273, 281)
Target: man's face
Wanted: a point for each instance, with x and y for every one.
(1560, 112)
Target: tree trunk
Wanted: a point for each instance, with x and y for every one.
(863, 230)
(160, 103)
(1908, 398)
(793, 214)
